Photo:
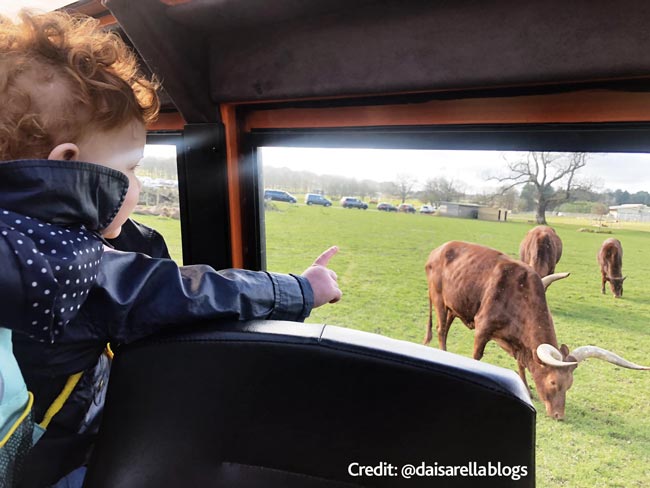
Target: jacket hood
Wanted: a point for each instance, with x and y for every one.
(63, 192)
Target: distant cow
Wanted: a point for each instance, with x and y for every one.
(541, 249)
(610, 258)
(504, 300)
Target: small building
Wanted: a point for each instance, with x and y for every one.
(458, 210)
(492, 213)
(630, 212)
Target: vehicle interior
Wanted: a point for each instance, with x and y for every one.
(293, 405)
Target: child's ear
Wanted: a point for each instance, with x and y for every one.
(65, 152)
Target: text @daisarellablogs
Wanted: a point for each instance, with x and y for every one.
(471, 469)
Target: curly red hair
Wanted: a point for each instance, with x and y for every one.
(61, 75)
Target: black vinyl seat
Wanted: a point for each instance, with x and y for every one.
(282, 404)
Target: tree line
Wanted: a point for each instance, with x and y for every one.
(539, 182)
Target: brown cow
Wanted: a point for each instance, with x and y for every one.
(541, 249)
(504, 300)
(610, 258)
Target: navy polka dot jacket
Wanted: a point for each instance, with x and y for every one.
(55, 266)
(65, 289)
(50, 250)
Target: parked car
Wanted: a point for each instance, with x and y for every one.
(386, 207)
(406, 207)
(316, 199)
(279, 196)
(427, 209)
(351, 202)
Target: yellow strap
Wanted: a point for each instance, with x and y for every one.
(109, 351)
(57, 404)
(30, 402)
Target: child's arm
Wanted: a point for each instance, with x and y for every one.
(136, 296)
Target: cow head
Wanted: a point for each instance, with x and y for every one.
(616, 284)
(554, 372)
(553, 376)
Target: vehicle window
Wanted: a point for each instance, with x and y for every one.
(418, 200)
(158, 206)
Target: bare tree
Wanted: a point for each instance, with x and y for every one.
(501, 199)
(404, 185)
(441, 190)
(367, 188)
(506, 199)
(542, 170)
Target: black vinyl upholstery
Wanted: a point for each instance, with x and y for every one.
(282, 404)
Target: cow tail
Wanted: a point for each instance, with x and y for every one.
(428, 335)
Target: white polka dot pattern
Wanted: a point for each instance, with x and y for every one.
(58, 266)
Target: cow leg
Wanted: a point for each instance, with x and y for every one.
(522, 375)
(444, 323)
(481, 338)
(444, 318)
(603, 283)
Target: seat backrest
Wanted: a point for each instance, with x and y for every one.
(266, 404)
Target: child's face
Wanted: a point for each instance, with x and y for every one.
(120, 149)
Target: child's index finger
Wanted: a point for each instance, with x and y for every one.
(324, 258)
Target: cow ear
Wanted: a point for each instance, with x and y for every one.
(624, 278)
(564, 349)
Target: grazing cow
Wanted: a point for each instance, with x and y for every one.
(541, 249)
(610, 258)
(504, 300)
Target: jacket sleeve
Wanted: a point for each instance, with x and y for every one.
(136, 296)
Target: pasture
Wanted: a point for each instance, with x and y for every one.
(605, 439)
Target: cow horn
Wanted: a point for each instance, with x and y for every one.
(547, 280)
(585, 352)
(551, 356)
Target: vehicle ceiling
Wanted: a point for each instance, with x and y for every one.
(209, 52)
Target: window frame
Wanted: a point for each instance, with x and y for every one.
(633, 137)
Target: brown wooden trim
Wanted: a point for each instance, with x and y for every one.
(572, 107)
(228, 116)
(174, 2)
(107, 19)
(168, 121)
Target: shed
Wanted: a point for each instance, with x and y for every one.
(630, 212)
(493, 213)
(459, 210)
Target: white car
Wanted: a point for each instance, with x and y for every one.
(427, 209)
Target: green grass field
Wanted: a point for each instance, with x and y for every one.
(170, 229)
(605, 439)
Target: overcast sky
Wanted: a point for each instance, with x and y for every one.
(629, 172)
(11, 7)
